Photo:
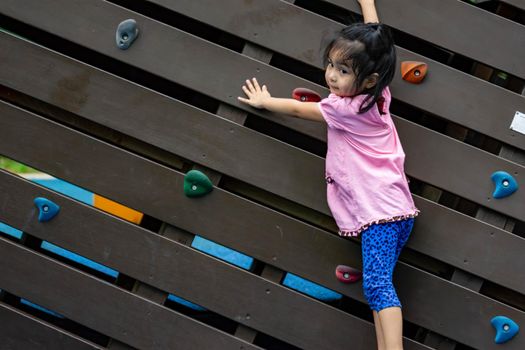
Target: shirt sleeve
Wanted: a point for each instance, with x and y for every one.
(343, 113)
(339, 112)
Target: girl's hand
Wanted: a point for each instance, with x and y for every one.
(257, 96)
(368, 9)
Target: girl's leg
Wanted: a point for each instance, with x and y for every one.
(392, 317)
(391, 320)
(379, 332)
(379, 248)
(404, 234)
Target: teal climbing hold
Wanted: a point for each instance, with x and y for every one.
(197, 184)
(127, 32)
(47, 209)
(505, 328)
(505, 184)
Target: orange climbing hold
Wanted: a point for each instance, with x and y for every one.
(413, 71)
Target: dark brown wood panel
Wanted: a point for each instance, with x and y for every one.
(458, 168)
(287, 29)
(185, 272)
(213, 141)
(253, 235)
(102, 306)
(261, 305)
(518, 3)
(21, 331)
(152, 181)
(462, 29)
(162, 265)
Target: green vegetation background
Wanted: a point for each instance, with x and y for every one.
(15, 167)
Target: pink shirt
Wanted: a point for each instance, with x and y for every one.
(366, 181)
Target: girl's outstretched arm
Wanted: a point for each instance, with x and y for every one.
(260, 98)
(368, 8)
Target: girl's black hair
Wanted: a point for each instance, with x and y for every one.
(368, 48)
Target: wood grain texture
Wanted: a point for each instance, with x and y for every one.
(102, 306)
(21, 331)
(254, 234)
(294, 32)
(223, 145)
(456, 26)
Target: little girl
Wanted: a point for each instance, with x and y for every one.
(367, 190)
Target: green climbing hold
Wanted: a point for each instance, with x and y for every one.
(197, 184)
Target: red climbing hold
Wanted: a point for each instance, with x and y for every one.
(413, 72)
(306, 95)
(347, 274)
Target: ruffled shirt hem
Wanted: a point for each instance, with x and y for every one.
(355, 233)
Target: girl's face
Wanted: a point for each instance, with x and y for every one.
(340, 77)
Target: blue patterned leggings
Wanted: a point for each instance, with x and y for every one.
(381, 245)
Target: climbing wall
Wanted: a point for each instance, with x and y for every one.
(129, 261)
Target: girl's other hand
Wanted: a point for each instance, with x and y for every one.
(256, 95)
(368, 8)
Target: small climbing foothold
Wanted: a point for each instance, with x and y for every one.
(505, 328)
(505, 184)
(127, 32)
(413, 71)
(306, 95)
(197, 184)
(347, 274)
(47, 209)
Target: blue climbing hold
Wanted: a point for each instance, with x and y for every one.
(505, 184)
(127, 32)
(506, 329)
(47, 209)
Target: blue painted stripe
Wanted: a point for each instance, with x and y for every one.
(11, 231)
(222, 252)
(66, 189)
(186, 303)
(310, 288)
(79, 259)
(41, 308)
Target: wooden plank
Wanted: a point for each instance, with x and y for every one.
(184, 52)
(258, 234)
(87, 177)
(102, 306)
(27, 154)
(185, 272)
(472, 177)
(461, 28)
(435, 225)
(239, 116)
(116, 345)
(21, 331)
(199, 283)
(294, 32)
(464, 278)
(518, 3)
(159, 120)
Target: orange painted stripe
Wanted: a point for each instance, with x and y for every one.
(117, 209)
